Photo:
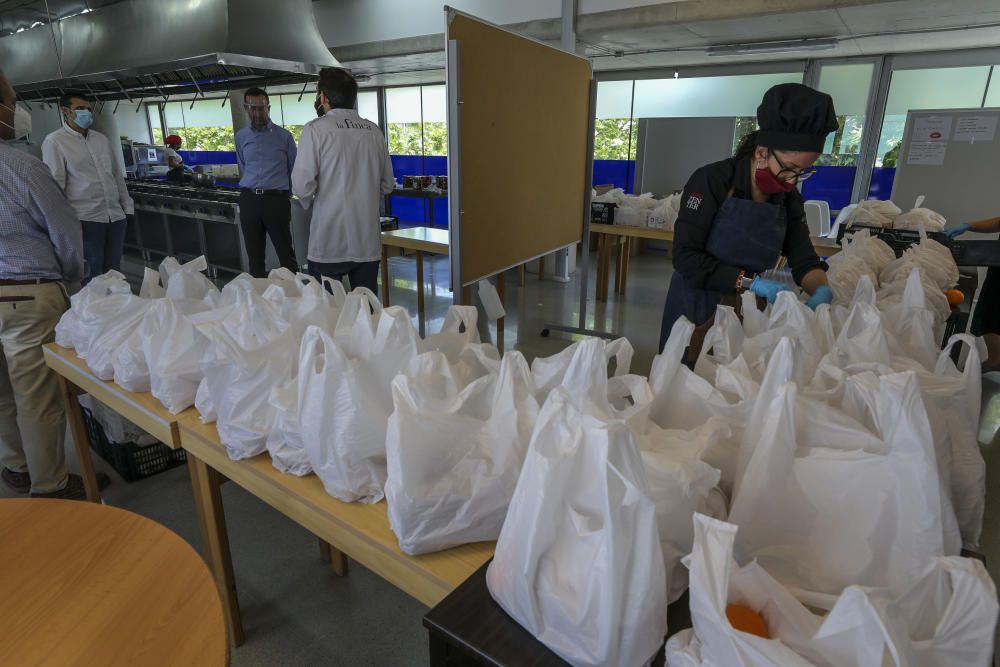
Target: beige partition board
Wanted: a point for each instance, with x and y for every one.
(522, 146)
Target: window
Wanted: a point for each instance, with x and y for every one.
(434, 102)
(205, 126)
(293, 113)
(614, 130)
(849, 86)
(993, 94)
(368, 105)
(403, 118)
(155, 126)
(944, 88)
(705, 97)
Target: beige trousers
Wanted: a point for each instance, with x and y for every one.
(32, 416)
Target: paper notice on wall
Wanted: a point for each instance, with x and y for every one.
(930, 153)
(931, 128)
(976, 128)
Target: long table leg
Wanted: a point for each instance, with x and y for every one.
(500, 291)
(81, 441)
(334, 556)
(385, 276)
(205, 483)
(420, 292)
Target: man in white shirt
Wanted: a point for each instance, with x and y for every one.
(84, 164)
(342, 169)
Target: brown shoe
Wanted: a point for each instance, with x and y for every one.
(72, 491)
(19, 481)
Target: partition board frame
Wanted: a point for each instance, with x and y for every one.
(518, 123)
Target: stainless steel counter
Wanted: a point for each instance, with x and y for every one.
(186, 222)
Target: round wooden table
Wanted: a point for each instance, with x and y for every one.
(88, 584)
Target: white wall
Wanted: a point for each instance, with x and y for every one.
(131, 123)
(44, 120)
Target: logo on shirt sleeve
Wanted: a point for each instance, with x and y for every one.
(694, 200)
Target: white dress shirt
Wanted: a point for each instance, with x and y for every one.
(341, 170)
(88, 171)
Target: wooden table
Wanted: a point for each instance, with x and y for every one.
(143, 410)
(621, 236)
(435, 242)
(344, 529)
(419, 240)
(470, 628)
(87, 584)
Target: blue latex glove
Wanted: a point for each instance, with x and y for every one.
(767, 289)
(957, 230)
(823, 294)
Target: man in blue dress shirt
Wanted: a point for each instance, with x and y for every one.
(266, 153)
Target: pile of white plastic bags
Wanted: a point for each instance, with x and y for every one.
(840, 445)
(855, 479)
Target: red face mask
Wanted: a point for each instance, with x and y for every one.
(770, 184)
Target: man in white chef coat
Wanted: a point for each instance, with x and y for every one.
(86, 166)
(342, 169)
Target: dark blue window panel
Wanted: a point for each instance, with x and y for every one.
(620, 173)
(194, 158)
(406, 165)
(831, 184)
(881, 185)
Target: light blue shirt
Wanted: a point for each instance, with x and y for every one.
(266, 157)
(40, 233)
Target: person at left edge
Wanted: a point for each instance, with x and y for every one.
(266, 154)
(85, 165)
(740, 215)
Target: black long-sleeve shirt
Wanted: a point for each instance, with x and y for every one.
(703, 195)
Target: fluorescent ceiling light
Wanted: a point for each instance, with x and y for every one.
(774, 47)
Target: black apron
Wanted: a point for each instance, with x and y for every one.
(744, 233)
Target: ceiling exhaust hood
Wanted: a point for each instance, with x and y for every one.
(155, 48)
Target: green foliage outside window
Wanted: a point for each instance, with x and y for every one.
(207, 138)
(615, 139)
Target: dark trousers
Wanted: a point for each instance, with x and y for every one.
(263, 215)
(103, 244)
(986, 319)
(359, 274)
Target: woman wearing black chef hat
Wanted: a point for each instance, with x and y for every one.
(740, 215)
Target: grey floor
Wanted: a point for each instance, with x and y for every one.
(298, 613)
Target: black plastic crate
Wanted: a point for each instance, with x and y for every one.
(602, 213)
(389, 224)
(133, 462)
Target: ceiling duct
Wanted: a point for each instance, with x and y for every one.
(154, 48)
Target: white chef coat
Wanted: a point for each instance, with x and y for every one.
(341, 169)
(89, 174)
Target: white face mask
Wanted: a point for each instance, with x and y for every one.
(22, 122)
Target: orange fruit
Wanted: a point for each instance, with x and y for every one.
(747, 620)
(955, 296)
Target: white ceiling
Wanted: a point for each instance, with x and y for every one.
(624, 44)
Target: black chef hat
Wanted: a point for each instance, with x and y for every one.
(794, 117)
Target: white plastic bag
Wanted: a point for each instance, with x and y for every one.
(549, 372)
(821, 517)
(284, 442)
(968, 473)
(945, 616)
(172, 348)
(579, 562)
(68, 332)
(252, 349)
(455, 452)
(345, 399)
